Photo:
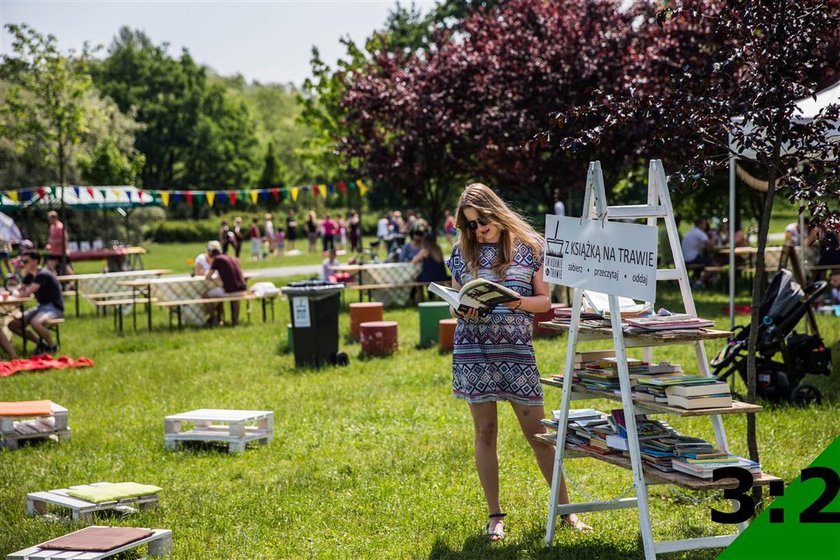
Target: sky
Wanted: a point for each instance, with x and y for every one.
(267, 41)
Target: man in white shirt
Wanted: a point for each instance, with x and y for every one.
(694, 244)
(383, 229)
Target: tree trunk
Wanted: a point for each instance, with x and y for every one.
(63, 212)
(757, 293)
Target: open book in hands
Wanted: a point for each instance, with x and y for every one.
(479, 294)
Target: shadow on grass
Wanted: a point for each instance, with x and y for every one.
(530, 545)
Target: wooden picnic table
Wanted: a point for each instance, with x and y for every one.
(102, 283)
(115, 256)
(174, 288)
(397, 279)
(11, 302)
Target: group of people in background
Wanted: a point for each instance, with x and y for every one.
(336, 233)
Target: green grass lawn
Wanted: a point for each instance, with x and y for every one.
(369, 461)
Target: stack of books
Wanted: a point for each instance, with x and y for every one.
(706, 395)
(603, 374)
(654, 436)
(677, 321)
(587, 429)
(701, 458)
(691, 392)
(563, 316)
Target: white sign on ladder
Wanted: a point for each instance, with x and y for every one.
(601, 256)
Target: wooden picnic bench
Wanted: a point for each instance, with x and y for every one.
(362, 288)
(117, 305)
(175, 306)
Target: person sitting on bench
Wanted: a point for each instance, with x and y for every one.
(47, 291)
(232, 279)
(694, 245)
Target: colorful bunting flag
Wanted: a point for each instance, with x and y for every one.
(77, 191)
(13, 195)
(41, 191)
(89, 191)
(295, 191)
(362, 187)
(189, 197)
(211, 196)
(254, 196)
(276, 192)
(342, 186)
(164, 197)
(232, 197)
(322, 189)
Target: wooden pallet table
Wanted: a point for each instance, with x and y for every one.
(13, 429)
(159, 544)
(82, 510)
(234, 427)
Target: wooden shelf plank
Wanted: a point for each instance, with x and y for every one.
(646, 407)
(637, 340)
(653, 476)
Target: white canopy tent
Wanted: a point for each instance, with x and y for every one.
(81, 198)
(806, 111)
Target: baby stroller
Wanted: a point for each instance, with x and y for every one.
(784, 304)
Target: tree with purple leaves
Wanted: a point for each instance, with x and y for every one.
(426, 120)
(714, 78)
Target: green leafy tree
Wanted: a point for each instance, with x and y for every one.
(275, 110)
(271, 168)
(44, 101)
(222, 152)
(164, 93)
(108, 165)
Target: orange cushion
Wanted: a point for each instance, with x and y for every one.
(26, 408)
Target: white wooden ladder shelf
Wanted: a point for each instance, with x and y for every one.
(658, 207)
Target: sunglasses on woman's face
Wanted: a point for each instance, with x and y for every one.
(474, 224)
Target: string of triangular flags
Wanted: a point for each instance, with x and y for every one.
(167, 197)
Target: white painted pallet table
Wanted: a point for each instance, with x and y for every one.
(234, 427)
(82, 510)
(160, 543)
(13, 429)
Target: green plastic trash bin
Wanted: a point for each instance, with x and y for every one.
(430, 313)
(314, 311)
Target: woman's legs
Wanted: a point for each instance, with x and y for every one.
(529, 421)
(485, 422)
(486, 426)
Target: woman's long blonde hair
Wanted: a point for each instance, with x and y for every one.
(512, 227)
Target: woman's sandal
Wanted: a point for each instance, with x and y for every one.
(498, 533)
(577, 524)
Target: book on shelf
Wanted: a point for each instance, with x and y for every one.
(647, 396)
(706, 470)
(479, 294)
(698, 390)
(678, 380)
(615, 441)
(579, 414)
(585, 357)
(699, 402)
(673, 322)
